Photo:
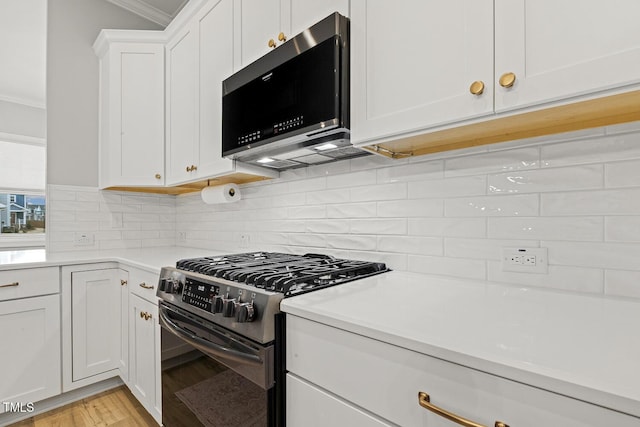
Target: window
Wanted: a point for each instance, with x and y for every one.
(23, 204)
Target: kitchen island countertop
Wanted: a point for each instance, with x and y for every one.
(580, 345)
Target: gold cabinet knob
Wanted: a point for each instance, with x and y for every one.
(476, 87)
(507, 79)
(123, 282)
(282, 37)
(272, 43)
(158, 176)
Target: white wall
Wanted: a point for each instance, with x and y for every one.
(72, 85)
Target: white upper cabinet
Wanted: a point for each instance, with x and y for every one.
(559, 48)
(182, 139)
(266, 24)
(131, 113)
(216, 55)
(413, 63)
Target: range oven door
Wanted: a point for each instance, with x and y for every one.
(212, 377)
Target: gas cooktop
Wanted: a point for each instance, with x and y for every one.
(242, 292)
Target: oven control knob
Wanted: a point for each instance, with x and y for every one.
(217, 304)
(167, 285)
(228, 307)
(245, 312)
(177, 287)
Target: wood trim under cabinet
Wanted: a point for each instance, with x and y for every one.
(609, 110)
(236, 178)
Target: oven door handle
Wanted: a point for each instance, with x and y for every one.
(205, 346)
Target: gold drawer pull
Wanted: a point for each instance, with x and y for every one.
(271, 43)
(477, 88)
(507, 80)
(9, 285)
(145, 286)
(123, 282)
(282, 37)
(424, 401)
(144, 315)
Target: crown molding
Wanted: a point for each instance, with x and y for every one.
(106, 37)
(144, 10)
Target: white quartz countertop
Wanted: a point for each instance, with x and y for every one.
(583, 346)
(150, 259)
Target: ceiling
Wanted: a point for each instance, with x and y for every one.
(159, 11)
(23, 33)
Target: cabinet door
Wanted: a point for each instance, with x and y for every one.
(261, 21)
(95, 320)
(412, 64)
(558, 48)
(143, 365)
(181, 107)
(305, 13)
(215, 38)
(133, 151)
(30, 352)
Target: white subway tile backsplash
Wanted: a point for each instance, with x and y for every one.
(591, 150)
(493, 162)
(618, 256)
(451, 227)
(411, 208)
(622, 174)
(328, 196)
(449, 213)
(353, 179)
(448, 187)
(622, 283)
(352, 210)
(466, 268)
(551, 179)
(603, 202)
(350, 241)
(378, 226)
(411, 245)
(411, 172)
(622, 229)
(488, 249)
(558, 277)
(589, 228)
(379, 192)
(500, 205)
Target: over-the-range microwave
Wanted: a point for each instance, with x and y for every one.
(290, 108)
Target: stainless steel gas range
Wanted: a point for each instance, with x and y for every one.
(223, 333)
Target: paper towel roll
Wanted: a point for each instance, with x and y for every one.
(221, 194)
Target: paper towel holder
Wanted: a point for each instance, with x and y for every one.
(224, 193)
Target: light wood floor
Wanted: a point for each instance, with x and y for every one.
(116, 408)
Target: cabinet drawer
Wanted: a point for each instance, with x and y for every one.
(29, 282)
(385, 380)
(144, 284)
(310, 406)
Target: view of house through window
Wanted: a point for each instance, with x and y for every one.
(22, 213)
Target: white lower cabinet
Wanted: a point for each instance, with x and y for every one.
(30, 349)
(144, 355)
(93, 321)
(358, 374)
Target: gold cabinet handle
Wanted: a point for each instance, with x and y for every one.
(507, 80)
(142, 313)
(123, 282)
(425, 402)
(158, 176)
(282, 37)
(145, 286)
(476, 87)
(271, 43)
(194, 168)
(9, 285)
(188, 168)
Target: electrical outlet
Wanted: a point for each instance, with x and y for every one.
(525, 260)
(83, 239)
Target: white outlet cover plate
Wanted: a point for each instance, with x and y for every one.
(540, 254)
